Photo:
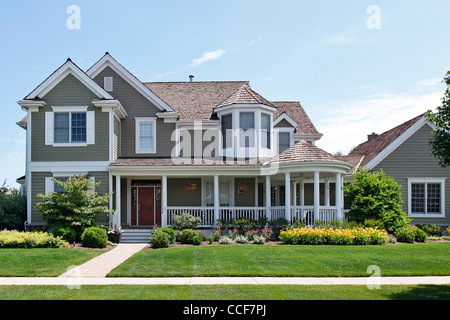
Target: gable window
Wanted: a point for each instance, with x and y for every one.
(284, 141)
(145, 135)
(426, 197)
(247, 125)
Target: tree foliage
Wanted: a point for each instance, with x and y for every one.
(77, 207)
(373, 195)
(440, 141)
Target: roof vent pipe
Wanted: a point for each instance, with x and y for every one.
(191, 77)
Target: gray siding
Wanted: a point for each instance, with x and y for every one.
(176, 196)
(136, 105)
(69, 92)
(413, 159)
(38, 187)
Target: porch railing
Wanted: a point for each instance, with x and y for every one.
(204, 213)
(304, 214)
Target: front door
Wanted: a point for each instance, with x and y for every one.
(145, 206)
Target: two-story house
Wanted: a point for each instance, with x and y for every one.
(214, 149)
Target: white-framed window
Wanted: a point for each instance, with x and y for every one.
(52, 186)
(247, 127)
(226, 196)
(108, 84)
(426, 197)
(70, 127)
(285, 138)
(266, 132)
(145, 135)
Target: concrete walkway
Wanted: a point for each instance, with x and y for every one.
(94, 272)
(101, 265)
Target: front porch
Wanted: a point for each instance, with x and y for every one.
(305, 196)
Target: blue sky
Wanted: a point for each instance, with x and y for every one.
(351, 79)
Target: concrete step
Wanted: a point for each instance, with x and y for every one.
(135, 236)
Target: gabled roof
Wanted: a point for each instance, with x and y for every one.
(296, 112)
(108, 61)
(245, 95)
(375, 150)
(67, 68)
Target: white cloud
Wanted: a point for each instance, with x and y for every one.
(348, 125)
(208, 56)
(254, 41)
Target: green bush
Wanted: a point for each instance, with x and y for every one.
(172, 234)
(13, 210)
(160, 239)
(430, 229)
(373, 195)
(187, 236)
(197, 240)
(420, 235)
(405, 234)
(373, 223)
(66, 233)
(15, 239)
(94, 237)
(185, 221)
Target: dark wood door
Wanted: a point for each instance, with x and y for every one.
(146, 199)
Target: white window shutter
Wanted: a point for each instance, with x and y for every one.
(49, 185)
(49, 128)
(90, 127)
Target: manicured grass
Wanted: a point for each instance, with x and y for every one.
(428, 259)
(223, 292)
(41, 262)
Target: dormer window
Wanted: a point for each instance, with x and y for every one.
(266, 132)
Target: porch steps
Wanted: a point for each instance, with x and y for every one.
(135, 236)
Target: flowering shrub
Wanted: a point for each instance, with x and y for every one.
(357, 236)
(15, 239)
(216, 234)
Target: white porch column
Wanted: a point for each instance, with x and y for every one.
(294, 193)
(216, 199)
(339, 196)
(268, 193)
(316, 195)
(302, 192)
(327, 193)
(118, 204)
(164, 201)
(287, 194)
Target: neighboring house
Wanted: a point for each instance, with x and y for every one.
(403, 153)
(215, 149)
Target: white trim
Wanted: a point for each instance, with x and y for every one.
(243, 107)
(108, 61)
(441, 181)
(69, 108)
(397, 142)
(68, 68)
(115, 105)
(138, 122)
(285, 116)
(169, 117)
(68, 166)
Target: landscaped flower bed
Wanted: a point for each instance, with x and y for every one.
(333, 236)
(15, 239)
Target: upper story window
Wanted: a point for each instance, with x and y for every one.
(284, 141)
(266, 132)
(145, 135)
(247, 127)
(70, 127)
(226, 126)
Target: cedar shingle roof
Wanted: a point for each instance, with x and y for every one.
(370, 149)
(295, 110)
(303, 151)
(195, 100)
(245, 95)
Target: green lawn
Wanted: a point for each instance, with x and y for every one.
(41, 262)
(428, 259)
(231, 292)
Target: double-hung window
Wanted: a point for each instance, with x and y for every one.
(284, 141)
(426, 196)
(70, 127)
(265, 131)
(145, 135)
